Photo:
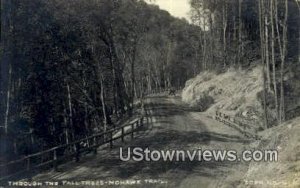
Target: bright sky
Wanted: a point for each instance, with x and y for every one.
(177, 8)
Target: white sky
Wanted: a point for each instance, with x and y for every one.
(177, 8)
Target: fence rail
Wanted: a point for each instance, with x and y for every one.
(54, 156)
(235, 123)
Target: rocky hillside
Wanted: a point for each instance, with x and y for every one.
(235, 92)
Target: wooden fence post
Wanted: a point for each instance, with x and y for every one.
(111, 139)
(132, 130)
(54, 160)
(95, 145)
(138, 124)
(122, 134)
(147, 120)
(88, 143)
(77, 157)
(28, 164)
(141, 122)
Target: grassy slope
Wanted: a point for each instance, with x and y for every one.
(286, 171)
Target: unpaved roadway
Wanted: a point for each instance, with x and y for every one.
(173, 126)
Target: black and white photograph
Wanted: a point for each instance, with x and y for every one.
(150, 93)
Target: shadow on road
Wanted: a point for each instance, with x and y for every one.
(158, 135)
(169, 140)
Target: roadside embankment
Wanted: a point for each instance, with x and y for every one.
(236, 93)
(286, 171)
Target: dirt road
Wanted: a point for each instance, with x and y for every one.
(174, 126)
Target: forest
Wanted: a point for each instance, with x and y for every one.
(70, 69)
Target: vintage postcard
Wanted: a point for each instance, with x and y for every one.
(150, 93)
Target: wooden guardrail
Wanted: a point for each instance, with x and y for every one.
(235, 123)
(56, 155)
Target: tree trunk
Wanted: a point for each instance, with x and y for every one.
(8, 99)
(267, 51)
(282, 43)
(5, 65)
(283, 59)
(204, 60)
(273, 58)
(133, 75)
(265, 117)
(211, 42)
(66, 125)
(224, 32)
(70, 109)
(265, 98)
(105, 122)
(235, 59)
(240, 34)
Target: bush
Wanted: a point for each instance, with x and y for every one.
(203, 103)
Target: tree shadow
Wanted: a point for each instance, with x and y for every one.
(108, 164)
(166, 110)
(174, 140)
